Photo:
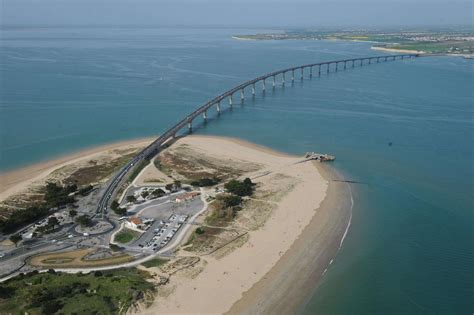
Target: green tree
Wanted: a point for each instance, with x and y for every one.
(16, 238)
(131, 198)
(114, 205)
(72, 213)
(84, 220)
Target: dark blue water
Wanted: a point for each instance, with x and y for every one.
(410, 246)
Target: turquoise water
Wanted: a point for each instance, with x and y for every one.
(410, 246)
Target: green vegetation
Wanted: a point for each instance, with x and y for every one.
(84, 191)
(131, 199)
(84, 220)
(158, 193)
(440, 41)
(72, 213)
(55, 196)
(49, 227)
(205, 182)
(21, 218)
(199, 231)
(240, 188)
(125, 236)
(15, 238)
(156, 262)
(106, 292)
(225, 207)
(115, 206)
(138, 168)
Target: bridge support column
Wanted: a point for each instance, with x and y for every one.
(242, 96)
(353, 62)
(283, 79)
(370, 61)
(402, 56)
(337, 63)
(292, 76)
(327, 69)
(204, 116)
(319, 70)
(394, 58)
(361, 62)
(230, 101)
(302, 73)
(253, 89)
(386, 59)
(190, 126)
(378, 59)
(218, 108)
(345, 62)
(273, 82)
(263, 85)
(310, 72)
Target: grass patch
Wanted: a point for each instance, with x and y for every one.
(156, 262)
(106, 292)
(125, 236)
(76, 259)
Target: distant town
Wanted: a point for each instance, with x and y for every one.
(459, 42)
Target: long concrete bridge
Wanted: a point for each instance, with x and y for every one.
(314, 69)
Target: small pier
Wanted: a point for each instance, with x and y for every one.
(319, 157)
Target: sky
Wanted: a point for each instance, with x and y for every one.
(250, 13)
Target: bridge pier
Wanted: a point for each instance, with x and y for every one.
(345, 62)
(370, 61)
(273, 82)
(204, 116)
(218, 108)
(337, 63)
(242, 96)
(292, 76)
(361, 62)
(311, 72)
(386, 59)
(190, 126)
(353, 62)
(283, 79)
(319, 70)
(327, 69)
(302, 73)
(263, 85)
(230, 101)
(253, 89)
(378, 60)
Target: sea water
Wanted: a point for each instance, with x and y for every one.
(403, 130)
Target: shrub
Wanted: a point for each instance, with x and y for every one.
(240, 188)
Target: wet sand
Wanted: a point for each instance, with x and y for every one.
(289, 284)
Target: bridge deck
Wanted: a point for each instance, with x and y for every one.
(155, 146)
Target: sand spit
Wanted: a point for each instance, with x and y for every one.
(289, 252)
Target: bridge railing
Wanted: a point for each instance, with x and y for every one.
(154, 147)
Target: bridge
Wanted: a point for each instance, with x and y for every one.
(310, 69)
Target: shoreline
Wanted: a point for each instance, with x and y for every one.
(290, 283)
(15, 180)
(318, 231)
(283, 259)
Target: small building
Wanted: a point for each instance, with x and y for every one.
(187, 196)
(134, 222)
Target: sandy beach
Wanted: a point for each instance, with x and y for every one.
(402, 51)
(280, 262)
(15, 181)
(290, 252)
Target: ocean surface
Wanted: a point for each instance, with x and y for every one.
(403, 129)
